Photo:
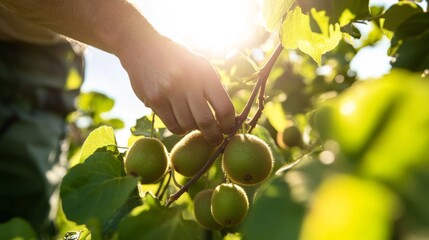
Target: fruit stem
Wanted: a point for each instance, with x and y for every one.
(174, 179)
(165, 187)
(161, 183)
(258, 88)
(152, 125)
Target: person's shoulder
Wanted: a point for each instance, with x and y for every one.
(15, 28)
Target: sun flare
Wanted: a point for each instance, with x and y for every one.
(209, 26)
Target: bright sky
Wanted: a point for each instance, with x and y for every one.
(206, 26)
(210, 27)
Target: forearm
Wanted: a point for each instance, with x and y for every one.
(182, 88)
(105, 24)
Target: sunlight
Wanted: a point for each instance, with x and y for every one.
(209, 26)
(348, 108)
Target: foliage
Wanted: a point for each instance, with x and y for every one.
(362, 166)
(90, 114)
(17, 228)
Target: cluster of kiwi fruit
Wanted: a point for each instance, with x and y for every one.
(246, 161)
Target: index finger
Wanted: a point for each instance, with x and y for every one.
(221, 103)
(205, 120)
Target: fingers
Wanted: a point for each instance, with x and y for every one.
(165, 111)
(222, 105)
(203, 91)
(183, 91)
(183, 113)
(205, 120)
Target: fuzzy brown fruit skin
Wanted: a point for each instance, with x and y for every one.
(247, 160)
(202, 210)
(147, 159)
(229, 204)
(190, 154)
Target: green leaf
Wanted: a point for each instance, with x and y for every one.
(276, 115)
(275, 205)
(17, 228)
(66, 227)
(153, 221)
(96, 189)
(347, 207)
(101, 137)
(398, 13)
(414, 195)
(402, 145)
(382, 125)
(339, 11)
(94, 102)
(351, 30)
(115, 123)
(143, 126)
(409, 44)
(296, 33)
(74, 80)
(273, 11)
(359, 113)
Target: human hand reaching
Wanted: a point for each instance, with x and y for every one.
(181, 87)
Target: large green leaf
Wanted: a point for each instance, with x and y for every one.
(296, 33)
(359, 114)
(96, 189)
(99, 138)
(17, 228)
(274, 215)
(153, 221)
(409, 44)
(414, 194)
(383, 125)
(273, 11)
(347, 207)
(403, 144)
(398, 13)
(339, 11)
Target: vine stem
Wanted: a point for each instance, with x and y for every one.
(152, 130)
(263, 77)
(259, 87)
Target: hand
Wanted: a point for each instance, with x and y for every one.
(181, 87)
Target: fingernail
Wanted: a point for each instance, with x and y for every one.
(178, 131)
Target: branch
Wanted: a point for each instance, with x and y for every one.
(263, 77)
(258, 88)
(206, 166)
